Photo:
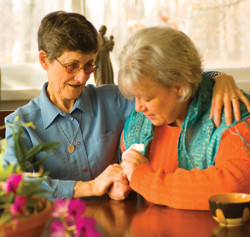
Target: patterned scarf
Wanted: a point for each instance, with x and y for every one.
(199, 139)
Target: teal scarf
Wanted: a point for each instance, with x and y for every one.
(199, 139)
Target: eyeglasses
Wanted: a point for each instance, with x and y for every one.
(74, 67)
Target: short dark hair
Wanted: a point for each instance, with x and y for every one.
(65, 31)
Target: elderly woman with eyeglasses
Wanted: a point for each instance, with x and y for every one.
(86, 120)
(185, 158)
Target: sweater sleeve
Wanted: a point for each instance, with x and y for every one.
(191, 189)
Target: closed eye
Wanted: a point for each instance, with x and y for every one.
(147, 99)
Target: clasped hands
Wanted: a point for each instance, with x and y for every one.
(131, 158)
(114, 180)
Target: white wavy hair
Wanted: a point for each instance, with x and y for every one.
(166, 54)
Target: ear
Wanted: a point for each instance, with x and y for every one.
(43, 59)
(179, 89)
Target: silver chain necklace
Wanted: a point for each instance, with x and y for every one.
(71, 147)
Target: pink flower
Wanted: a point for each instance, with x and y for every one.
(57, 228)
(60, 207)
(85, 226)
(71, 220)
(17, 207)
(76, 208)
(12, 183)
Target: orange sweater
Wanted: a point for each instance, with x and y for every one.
(162, 182)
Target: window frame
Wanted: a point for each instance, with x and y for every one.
(14, 73)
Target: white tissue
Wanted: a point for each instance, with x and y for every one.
(138, 147)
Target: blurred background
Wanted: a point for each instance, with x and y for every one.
(219, 28)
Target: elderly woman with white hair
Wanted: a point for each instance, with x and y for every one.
(186, 158)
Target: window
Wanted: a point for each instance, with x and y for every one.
(21, 75)
(219, 28)
(19, 25)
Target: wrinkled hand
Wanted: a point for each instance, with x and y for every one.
(227, 94)
(130, 160)
(119, 190)
(113, 173)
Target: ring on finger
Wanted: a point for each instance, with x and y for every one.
(235, 98)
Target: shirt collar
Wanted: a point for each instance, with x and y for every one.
(84, 102)
(50, 111)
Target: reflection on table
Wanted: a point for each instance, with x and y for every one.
(136, 218)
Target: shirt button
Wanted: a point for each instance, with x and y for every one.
(78, 143)
(84, 170)
(71, 118)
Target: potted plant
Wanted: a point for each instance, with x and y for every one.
(22, 211)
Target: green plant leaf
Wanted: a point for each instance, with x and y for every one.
(6, 217)
(5, 171)
(39, 148)
(30, 166)
(18, 148)
(29, 188)
(23, 156)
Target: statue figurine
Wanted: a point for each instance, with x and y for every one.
(104, 72)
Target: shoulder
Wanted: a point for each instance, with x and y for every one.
(108, 94)
(25, 112)
(107, 89)
(109, 98)
(241, 129)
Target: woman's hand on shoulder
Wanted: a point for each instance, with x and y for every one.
(227, 94)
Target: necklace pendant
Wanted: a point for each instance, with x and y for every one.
(71, 148)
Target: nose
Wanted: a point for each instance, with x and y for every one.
(81, 76)
(139, 107)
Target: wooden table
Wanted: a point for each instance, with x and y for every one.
(136, 218)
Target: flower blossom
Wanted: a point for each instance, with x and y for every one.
(12, 183)
(57, 229)
(71, 221)
(60, 207)
(18, 206)
(76, 208)
(85, 226)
